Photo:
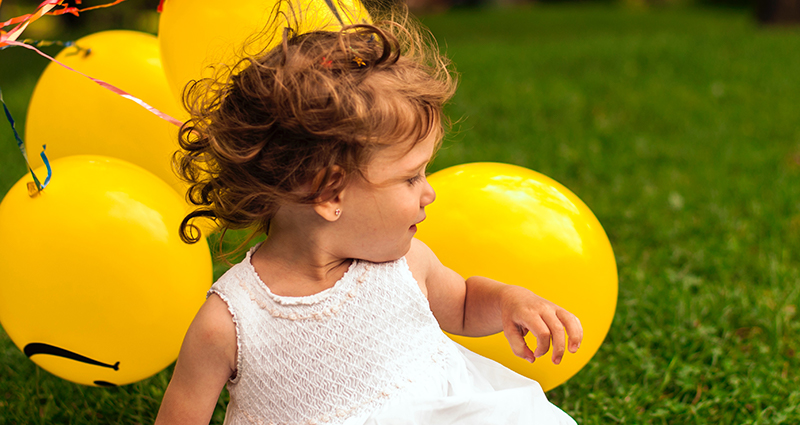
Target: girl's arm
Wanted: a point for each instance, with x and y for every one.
(481, 306)
(206, 361)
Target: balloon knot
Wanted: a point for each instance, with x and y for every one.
(33, 190)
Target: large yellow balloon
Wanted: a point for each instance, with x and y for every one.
(74, 116)
(95, 284)
(520, 227)
(196, 34)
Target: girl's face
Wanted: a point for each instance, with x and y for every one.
(380, 213)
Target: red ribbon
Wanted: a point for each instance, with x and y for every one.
(104, 84)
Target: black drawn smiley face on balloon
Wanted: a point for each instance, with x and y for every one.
(96, 286)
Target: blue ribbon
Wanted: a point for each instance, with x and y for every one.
(21, 146)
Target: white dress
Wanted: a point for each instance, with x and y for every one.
(366, 351)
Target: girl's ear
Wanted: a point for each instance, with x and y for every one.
(329, 184)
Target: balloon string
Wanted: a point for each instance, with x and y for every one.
(45, 8)
(334, 11)
(21, 146)
(47, 43)
(105, 85)
(9, 38)
(75, 11)
(25, 20)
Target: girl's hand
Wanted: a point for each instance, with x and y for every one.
(523, 311)
(481, 306)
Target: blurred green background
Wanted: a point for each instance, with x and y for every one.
(675, 121)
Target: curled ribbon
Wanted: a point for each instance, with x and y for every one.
(105, 85)
(9, 38)
(45, 8)
(21, 145)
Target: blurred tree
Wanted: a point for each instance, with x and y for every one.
(781, 12)
(744, 4)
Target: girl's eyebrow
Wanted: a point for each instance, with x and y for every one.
(421, 165)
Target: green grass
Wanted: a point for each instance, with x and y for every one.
(680, 129)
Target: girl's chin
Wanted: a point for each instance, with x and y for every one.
(383, 257)
(391, 254)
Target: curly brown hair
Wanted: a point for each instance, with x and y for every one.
(317, 101)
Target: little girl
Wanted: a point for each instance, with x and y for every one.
(322, 143)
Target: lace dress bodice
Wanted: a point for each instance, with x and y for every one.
(335, 355)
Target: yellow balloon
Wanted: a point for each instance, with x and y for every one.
(74, 116)
(95, 285)
(196, 34)
(520, 227)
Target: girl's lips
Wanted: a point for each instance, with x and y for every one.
(414, 226)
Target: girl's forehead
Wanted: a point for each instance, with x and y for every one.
(402, 157)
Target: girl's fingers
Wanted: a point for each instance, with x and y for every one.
(558, 336)
(574, 329)
(516, 338)
(539, 328)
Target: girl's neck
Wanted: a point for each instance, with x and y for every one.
(297, 265)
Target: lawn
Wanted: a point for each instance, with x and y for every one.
(679, 128)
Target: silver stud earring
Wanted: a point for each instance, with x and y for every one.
(337, 212)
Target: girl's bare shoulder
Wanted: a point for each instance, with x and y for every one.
(214, 332)
(420, 261)
(205, 363)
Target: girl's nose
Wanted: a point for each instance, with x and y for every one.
(428, 194)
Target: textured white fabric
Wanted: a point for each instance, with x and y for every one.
(366, 351)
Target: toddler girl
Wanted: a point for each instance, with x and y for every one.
(322, 143)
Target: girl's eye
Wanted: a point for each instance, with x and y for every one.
(415, 179)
